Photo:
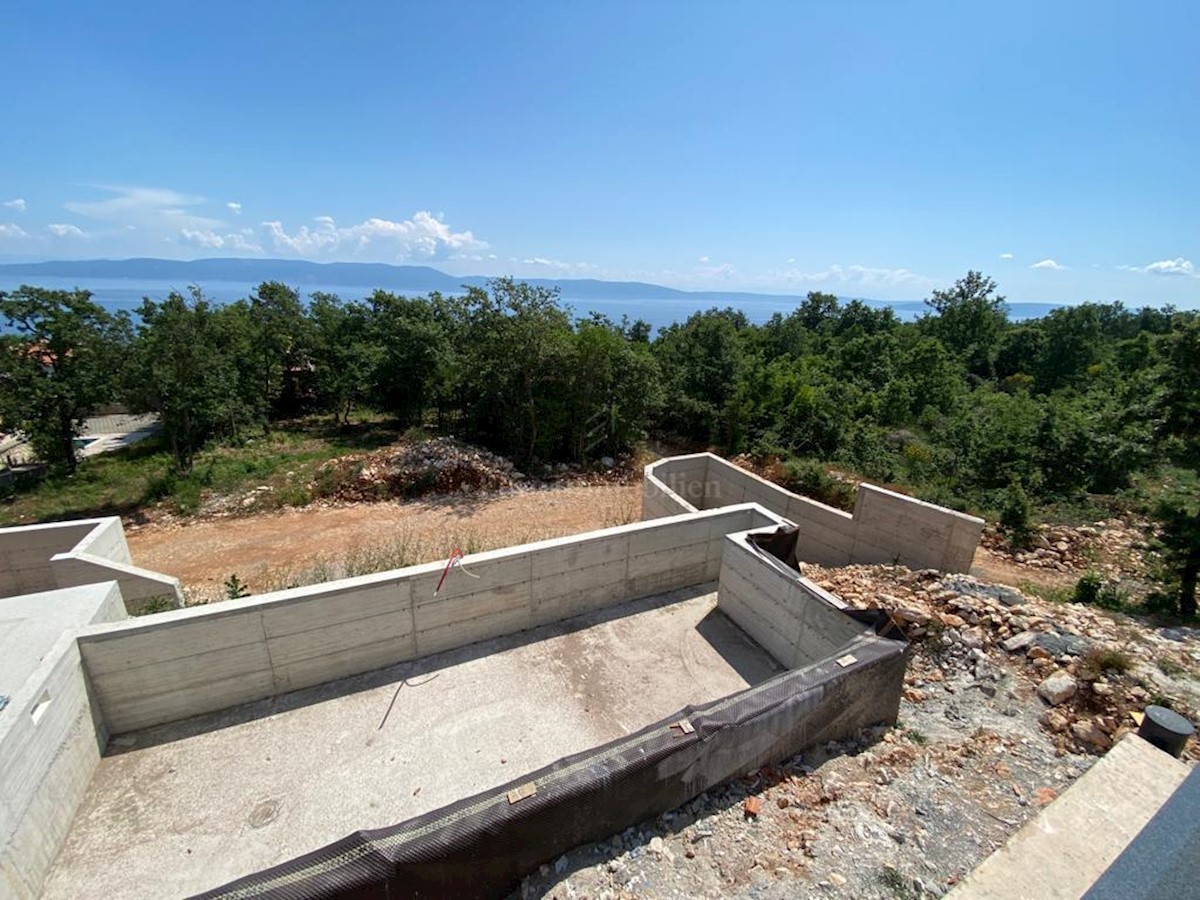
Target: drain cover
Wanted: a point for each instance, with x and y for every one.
(263, 814)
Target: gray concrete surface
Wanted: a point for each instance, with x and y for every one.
(185, 807)
(37, 558)
(49, 745)
(1163, 862)
(1061, 852)
(796, 621)
(30, 625)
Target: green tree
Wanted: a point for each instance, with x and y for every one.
(183, 367)
(517, 349)
(1179, 510)
(970, 320)
(281, 345)
(409, 343)
(614, 389)
(62, 362)
(702, 362)
(345, 356)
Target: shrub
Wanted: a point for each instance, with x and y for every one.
(1106, 659)
(156, 605)
(1087, 589)
(808, 477)
(1015, 514)
(1093, 590)
(235, 588)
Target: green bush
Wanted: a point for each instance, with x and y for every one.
(235, 588)
(808, 477)
(1093, 590)
(1087, 589)
(1016, 514)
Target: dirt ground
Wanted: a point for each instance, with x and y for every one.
(996, 569)
(263, 549)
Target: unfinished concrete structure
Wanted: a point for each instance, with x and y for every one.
(885, 527)
(549, 693)
(36, 558)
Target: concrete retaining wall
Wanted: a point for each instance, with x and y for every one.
(25, 554)
(885, 527)
(183, 663)
(50, 744)
(35, 558)
(793, 619)
(674, 486)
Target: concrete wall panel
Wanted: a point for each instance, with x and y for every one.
(178, 664)
(364, 602)
(885, 526)
(36, 558)
(49, 748)
(25, 553)
(395, 627)
(164, 639)
(793, 620)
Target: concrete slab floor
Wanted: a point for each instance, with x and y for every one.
(186, 807)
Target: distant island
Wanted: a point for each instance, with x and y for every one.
(304, 274)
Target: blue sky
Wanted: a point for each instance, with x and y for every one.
(870, 149)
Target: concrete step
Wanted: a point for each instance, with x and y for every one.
(1059, 854)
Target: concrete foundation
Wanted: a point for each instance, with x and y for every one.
(49, 738)
(249, 731)
(190, 806)
(885, 527)
(71, 554)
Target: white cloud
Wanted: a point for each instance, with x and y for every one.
(424, 236)
(1006, 256)
(65, 230)
(723, 272)
(702, 259)
(1176, 266)
(12, 231)
(159, 209)
(234, 207)
(211, 240)
(1049, 264)
(556, 265)
(861, 276)
(16, 203)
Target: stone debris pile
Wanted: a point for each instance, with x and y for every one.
(438, 465)
(1111, 547)
(1092, 671)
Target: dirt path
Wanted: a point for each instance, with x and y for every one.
(990, 567)
(266, 550)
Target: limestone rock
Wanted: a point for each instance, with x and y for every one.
(1019, 643)
(1057, 688)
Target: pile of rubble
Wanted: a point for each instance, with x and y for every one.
(1007, 700)
(438, 465)
(1094, 673)
(1111, 547)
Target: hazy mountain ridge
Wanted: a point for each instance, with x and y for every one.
(301, 273)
